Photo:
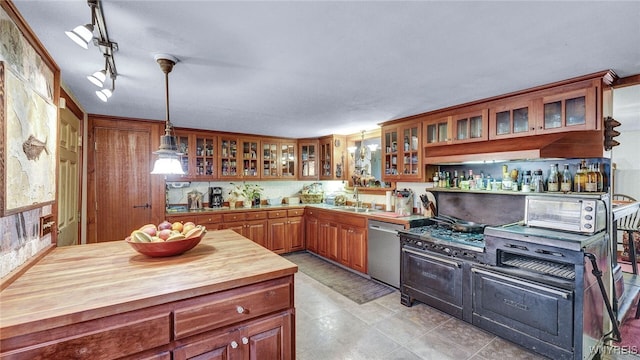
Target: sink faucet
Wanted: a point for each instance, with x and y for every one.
(356, 196)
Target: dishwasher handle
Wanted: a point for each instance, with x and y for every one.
(383, 229)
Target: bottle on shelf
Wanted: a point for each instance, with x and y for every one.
(537, 181)
(526, 181)
(600, 177)
(566, 181)
(591, 182)
(580, 179)
(553, 182)
(455, 182)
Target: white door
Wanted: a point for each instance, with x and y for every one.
(68, 183)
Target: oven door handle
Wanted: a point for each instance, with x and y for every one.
(452, 263)
(562, 294)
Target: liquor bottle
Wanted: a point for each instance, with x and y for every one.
(580, 179)
(553, 182)
(455, 182)
(447, 178)
(470, 174)
(566, 181)
(600, 177)
(591, 183)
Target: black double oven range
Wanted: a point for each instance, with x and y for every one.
(531, 285)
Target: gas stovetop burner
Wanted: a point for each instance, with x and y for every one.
(438, 233)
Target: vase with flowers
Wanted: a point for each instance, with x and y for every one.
(248, 193)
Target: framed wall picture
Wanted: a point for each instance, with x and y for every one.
(29, 147)
(28, 118)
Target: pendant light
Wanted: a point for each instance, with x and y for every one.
(168, 161)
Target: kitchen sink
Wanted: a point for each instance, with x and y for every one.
(358, 209)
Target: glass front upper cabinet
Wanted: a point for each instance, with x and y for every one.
(471, 126)
(511, 119)
(437, 131)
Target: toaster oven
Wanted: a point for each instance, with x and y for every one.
(566, 213)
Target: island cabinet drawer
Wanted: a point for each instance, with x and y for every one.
(256, 215)
(276, 214)
(233, 217)
(295, 212)
(213, 311)
(105, 338)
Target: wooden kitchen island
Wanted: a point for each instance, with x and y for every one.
(226, 298)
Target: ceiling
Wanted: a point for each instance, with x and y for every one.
(313, 68)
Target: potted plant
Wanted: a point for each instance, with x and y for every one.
(248, 193)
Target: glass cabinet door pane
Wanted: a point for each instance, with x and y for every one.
(503, 122)
(414, 138)
(475, 127)
(553, 115)
(432, 134)
(575, 111)
(442, 132)
(521, 120)
(462, 129)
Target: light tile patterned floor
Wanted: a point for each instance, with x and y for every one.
(329, 326)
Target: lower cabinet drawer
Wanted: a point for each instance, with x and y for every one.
(108, 338)
(213, 311)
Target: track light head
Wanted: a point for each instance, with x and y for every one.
(81, 35)
(98, 78)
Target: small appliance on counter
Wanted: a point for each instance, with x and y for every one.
(404, 202)
(215, 197)
(194, 200)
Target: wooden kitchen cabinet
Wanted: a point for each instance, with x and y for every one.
(252, 225)
(332, 157)
(286, 230)
(250, 153)
(438, 130)
(470, 126)
(199, 157)
(511, 118)
(328, 238)
(229, 157)
(278, 159)
(352, 242)
(402, 151)
(545, 112)
(308, 150)
(311, 230)
(210, 221)
(263, 339)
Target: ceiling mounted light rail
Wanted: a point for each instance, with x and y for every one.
(168, 161)
(84, 34)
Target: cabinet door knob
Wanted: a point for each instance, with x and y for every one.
(234, 344)
(245, 341)
(241, 310)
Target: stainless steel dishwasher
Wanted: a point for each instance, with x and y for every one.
(384, 252)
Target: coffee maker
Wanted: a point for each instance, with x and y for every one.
(215, 197)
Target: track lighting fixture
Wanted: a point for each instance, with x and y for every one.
(81, 35)
(84, 34)
(98, 77)
(168, 161)
(105, 93)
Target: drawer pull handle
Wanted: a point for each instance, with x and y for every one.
(234, 345)
(241, 310)
(245, 341)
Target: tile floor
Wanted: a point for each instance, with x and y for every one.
(330, 326)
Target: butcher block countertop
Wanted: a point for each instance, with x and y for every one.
(85, 282)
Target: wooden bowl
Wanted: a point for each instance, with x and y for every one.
(164, 248)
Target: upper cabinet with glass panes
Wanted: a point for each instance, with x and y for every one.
(569, 108)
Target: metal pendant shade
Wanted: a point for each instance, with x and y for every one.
(168, 161)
